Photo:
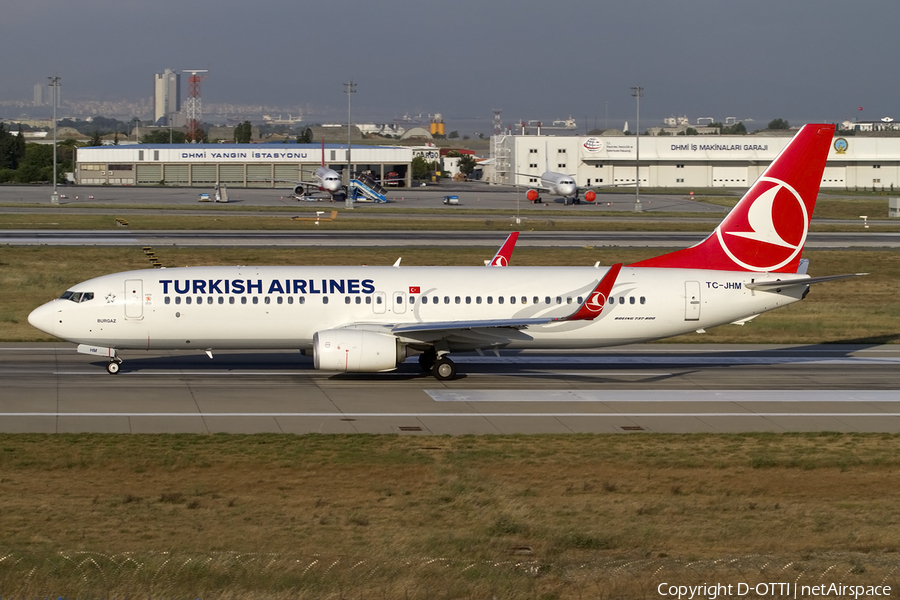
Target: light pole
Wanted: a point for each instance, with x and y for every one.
(54, 83)
(349, 89)
(637, 92)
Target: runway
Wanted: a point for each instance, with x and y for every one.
(341, 239)
(642, 388)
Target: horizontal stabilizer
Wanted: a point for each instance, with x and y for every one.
(765, 285)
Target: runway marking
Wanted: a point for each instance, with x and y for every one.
(451, 415)
(675, 396)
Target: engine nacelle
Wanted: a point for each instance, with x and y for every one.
(590, 195)
(532, 195)
(356, 351)
(299, 190)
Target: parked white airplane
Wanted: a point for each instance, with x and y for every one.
(369, 319)
(324, 180)
(558, 184)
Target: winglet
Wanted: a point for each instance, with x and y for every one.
(501, 259)
(596, 300)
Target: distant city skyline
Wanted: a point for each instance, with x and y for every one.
(809, 60)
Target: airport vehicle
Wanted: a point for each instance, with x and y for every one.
(370, 319)
(451, 200)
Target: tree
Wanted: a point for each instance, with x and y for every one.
(305, 137)
(466, 164)
(162, 136)
(778, 124)
(243, 133)
(453, 135)
(421, 168)
(95, 139)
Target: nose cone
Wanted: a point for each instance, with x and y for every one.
(567, 189)
(44, 317)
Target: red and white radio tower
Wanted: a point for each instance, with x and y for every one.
(193, 107)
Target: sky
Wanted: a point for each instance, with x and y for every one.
(800, 60)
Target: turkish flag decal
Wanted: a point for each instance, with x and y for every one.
(414, 289)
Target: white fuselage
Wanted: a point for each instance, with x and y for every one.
(283, 307)
(329, 180)
(559, 184)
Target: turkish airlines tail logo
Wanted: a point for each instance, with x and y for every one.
(766, 230)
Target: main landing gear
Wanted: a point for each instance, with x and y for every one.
(112, 367)
(440, 366)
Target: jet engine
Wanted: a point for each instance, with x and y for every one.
(590, 195)
(299, 190)
(356, 351)
(532, 195)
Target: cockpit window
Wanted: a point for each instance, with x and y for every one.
(77, 296)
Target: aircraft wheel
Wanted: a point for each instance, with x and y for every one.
(112, 367)
(444, 369)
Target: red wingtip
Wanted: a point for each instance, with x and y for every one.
(504, 254)
(766, 230)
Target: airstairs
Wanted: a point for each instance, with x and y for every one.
(365, 189)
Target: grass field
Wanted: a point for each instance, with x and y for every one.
(863, 310)
(439, 517)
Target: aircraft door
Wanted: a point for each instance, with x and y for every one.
(134, 296)
(399, 299)
(691, 300)
(379, 303)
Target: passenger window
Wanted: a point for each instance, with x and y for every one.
(547, 300)
(569, 300)
(378, 300)
(435, 300)
(346, 299)
(230, 299)
(477, 299)
(579, 299)
(412, 299)
(209, 299)
(500, 300)
(536, 300)
(525, 300)
(187, 300)
(279, 300)
(358, 300)
(302, 299)
(490, 299)
(221, 300)
(424, 299)
(631, 300)
(324, 299)
(559, 299)
(458, 299)
(243, 299)
(167, 300)
(612, 300)
(199, 300)
(290, 299)
(621, 299)
(643, 300)
(446, 299)
(399, 299)
(177, 299)
(468, 299)
(255, 300)
(368, 299)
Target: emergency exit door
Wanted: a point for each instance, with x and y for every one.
(134, 298)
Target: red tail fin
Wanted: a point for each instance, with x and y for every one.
(323, 152)
(766, 230)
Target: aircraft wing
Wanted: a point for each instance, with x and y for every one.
(480, 329)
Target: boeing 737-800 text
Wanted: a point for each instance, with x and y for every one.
(369, 319)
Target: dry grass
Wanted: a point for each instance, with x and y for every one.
(860, 310)
(515, 514)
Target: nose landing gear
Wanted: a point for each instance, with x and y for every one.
(112, 367)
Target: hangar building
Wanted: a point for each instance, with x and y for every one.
(236, 165)
(685, 161)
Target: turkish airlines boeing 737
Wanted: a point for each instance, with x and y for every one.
(369, 319)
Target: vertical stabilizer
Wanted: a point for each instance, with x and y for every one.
(766, 230)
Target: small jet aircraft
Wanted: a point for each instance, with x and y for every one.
(324, 180)
(370, 319)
